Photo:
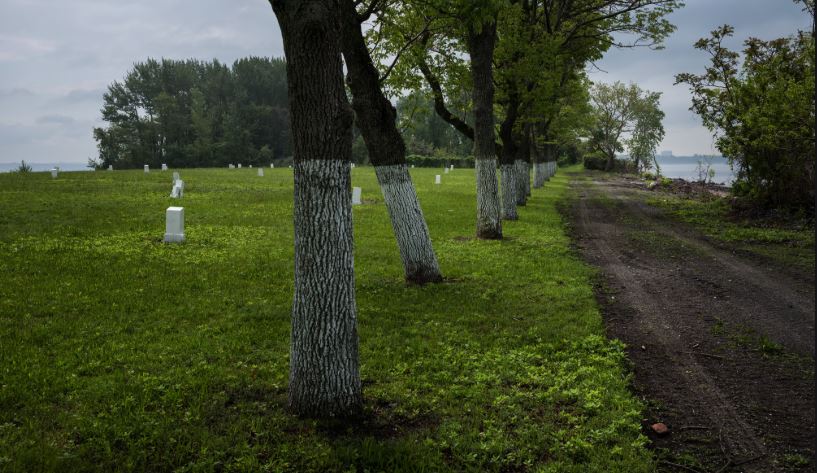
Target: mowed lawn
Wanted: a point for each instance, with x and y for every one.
(121, 353)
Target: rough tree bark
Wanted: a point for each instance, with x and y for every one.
(481, 49)
(376, 119)
(324, 378)
(522, 170)
(537, 153)
(510, 171)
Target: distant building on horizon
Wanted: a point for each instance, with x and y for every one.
(667, 153)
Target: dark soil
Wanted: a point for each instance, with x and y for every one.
(722, 344)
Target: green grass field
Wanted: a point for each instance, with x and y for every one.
(121, 353)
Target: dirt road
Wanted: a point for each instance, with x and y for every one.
(722, 345)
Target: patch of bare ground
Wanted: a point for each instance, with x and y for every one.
(722, 345)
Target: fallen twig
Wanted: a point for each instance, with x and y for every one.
(710, 355)
(694, 427)
(683, 467)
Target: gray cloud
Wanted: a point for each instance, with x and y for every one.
(62, 120)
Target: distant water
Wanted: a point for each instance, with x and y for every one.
(39, 167)
(684, 167)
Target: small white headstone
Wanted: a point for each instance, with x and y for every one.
(250, 166)
(231, 166)
(54, 173)
(412, 166)
(239, 165)
(353, 165)
(446, 170)
(437, 179)
(271, 166)
(174, 225)
(178, 189)
(147, 168)
(452, 167)
(356, 194)
(175, 176)
(260, 172)
(164, 167)
(110, 167)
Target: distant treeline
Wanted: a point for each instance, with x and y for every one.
(196, 114)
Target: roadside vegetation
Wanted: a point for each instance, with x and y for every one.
(787, 241)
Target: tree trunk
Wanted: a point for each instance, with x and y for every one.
(510, 170)
(611, 158)
(481, 49)
(324, 378)
(376, 119)
(521, 164)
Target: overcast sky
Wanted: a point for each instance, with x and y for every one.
(57, 58)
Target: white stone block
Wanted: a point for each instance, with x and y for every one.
(452, 167)
(353, 165)
(239, 165)
(164, 167)
(110, 167)
(250, 166)
(356, 194)
(412, 166)
(54, 173)
(231, 166)
(147, 168)
(271, 166)
(178, 189)
(437, 179)
(260, 172)
(446, 170)
(175, 176)
(174, 225)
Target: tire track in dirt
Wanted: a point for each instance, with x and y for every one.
(728, 406)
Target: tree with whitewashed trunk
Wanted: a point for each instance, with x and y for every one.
(324, 377)
(481, 41)
(434, 37)
(376, 119)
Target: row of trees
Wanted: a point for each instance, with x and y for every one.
(193, 113)
(518, 63)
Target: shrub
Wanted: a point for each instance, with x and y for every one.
(24, 167)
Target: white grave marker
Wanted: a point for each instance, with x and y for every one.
(164, 167)
(260, 172)
(437, 179)
(175, 176)
(147, 168)
(110, 167)
(54, 173)
(231, 166)
(178, 189)
(250, 166)
(446, 170)
(353, 165)
(271, 166)
(356, 194)
(174, 225)
(412, 166)
(239, 165)
(452, 167)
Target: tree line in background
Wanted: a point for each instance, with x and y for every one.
(193, 113)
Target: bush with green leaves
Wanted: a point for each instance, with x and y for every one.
(762, 113)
